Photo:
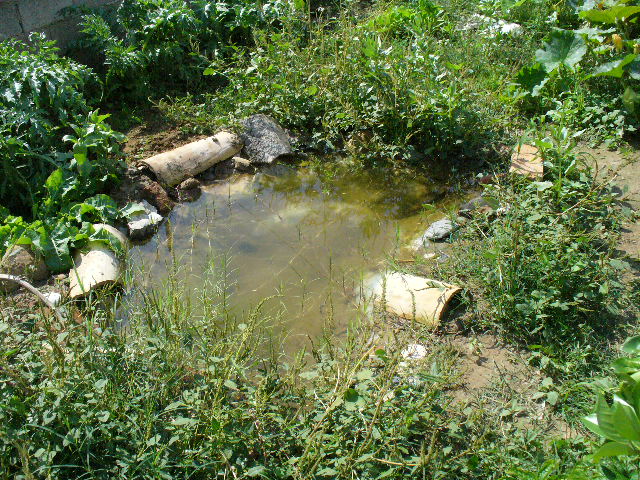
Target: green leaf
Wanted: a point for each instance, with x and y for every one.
(632, 345)
(614, 68)
(309, 375)
(105, 236)
(132, 209)
(532, 78)
(625, 419)
(613, 449)
(563, 48)
(552, 397)
(591, 422)
(606, 420)
(105, 205)
(54, 246)
(626, 366)
(366, 374)
(328, 472)
(54, 182)
(610, 15)
(103, 416)
(256, 471)
(594, 33)
(100, 384)
(352, 399)
(542, 186)
(631, 100)
(181, 421)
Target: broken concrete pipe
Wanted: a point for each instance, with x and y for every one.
(175, 166)
(96, 265)
(413, 298)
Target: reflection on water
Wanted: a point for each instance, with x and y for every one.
(306, 243)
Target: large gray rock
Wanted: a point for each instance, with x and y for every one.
(145, 223)
(439, 230)
(264, 140)
(22, 262)
(475, 205)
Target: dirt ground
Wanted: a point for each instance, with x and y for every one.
(625, 168)
(155, 137)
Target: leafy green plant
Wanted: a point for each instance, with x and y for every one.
(400, 20)
(575, 64)
(42, 97)
(56, 236)
(619, 421)
(376, 95)
(56, 154)
(153, 45)
(547, 265)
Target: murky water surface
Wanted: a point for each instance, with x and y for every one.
(304, 242)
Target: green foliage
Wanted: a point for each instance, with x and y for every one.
(572, 62)
(547, 266)
(43, 97)
(619, 421)
(56, 236)
(55, 155)
(373, 89)
(150, 46)
(402, 20)
(563, 48)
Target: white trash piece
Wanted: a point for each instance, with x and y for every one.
(144, 223)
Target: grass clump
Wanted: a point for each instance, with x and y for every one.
(202, 395)
(545, 272)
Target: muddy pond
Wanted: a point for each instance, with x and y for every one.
(304, 243)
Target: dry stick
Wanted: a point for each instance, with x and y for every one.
(34, 290)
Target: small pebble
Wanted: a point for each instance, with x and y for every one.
(414, 351)
(54, 298)
(189, 184)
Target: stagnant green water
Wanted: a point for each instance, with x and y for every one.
(304, 242)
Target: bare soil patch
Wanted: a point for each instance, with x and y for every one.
(625, 168)
(498, 379)
(153, 137)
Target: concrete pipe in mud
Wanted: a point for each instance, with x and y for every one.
(413, 298)
(96, 265)
(174, 166)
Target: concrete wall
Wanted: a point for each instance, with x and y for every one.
(20, 17)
